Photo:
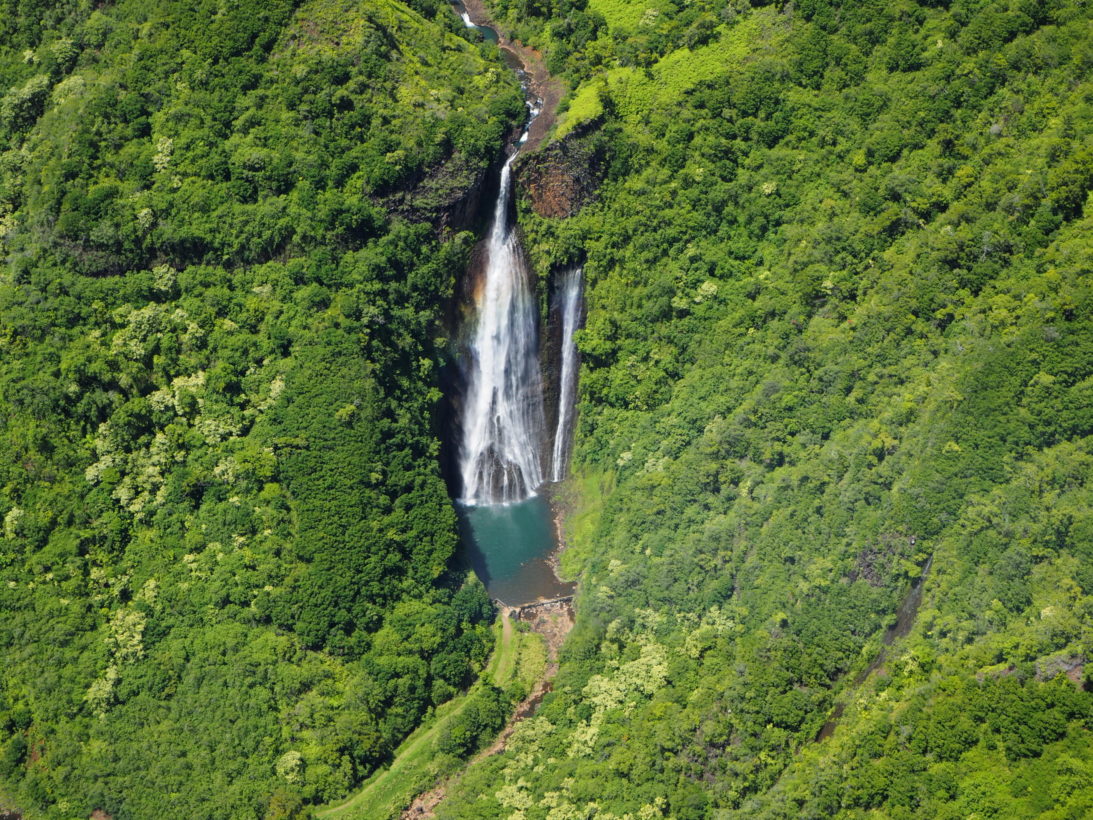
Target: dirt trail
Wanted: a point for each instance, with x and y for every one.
(547, 88)
(552, 620)
(385, 783)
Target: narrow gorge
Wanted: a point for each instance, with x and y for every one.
(506, 451)
(341, 342)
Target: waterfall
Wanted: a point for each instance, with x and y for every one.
(487, 33)
(502, 422)
(570, 291)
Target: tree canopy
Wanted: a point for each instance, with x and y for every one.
(839, 321)
(226, 566)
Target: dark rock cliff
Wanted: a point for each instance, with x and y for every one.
(450, 196)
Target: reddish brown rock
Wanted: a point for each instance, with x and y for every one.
(541, 84)
(562, 177)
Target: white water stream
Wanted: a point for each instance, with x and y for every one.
(570, 294)
(503, 429)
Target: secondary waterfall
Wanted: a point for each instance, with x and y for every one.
(570, 308)
(502, 421)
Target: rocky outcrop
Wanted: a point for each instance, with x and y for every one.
(562, 177)
(553, 620)
(1072, 666)
(449, 196)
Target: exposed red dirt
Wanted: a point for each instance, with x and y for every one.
(552, 620)
(548, 89)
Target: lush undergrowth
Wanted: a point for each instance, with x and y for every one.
(840, 321)
(225, 560)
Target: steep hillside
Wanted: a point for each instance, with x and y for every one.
(224, 565)
(840, 324)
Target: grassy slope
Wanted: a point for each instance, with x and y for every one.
(417, 765)
(636, 93)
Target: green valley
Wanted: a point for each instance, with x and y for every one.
(838, 323)
(835, 340)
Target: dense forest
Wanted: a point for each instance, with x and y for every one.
(839, 342)
(840, 323)
(226, 566)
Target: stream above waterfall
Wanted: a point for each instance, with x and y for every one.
(488, 34)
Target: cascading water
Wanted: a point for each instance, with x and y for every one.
(502, 424)
(487, 33)
(570, 295)
(509, 531)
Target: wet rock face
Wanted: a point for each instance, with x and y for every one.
(561, 178)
